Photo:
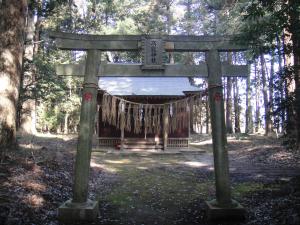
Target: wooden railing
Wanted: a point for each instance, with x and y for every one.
(172, 142)
(108, 141)
(178, 142)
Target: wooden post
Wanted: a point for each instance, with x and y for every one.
(96, 138)
(80, 208)
(165, 126)
(190, 121)
(122, 129)
(97, 121)
(223, 206)
(191, 116)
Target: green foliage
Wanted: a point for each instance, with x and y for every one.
(259, 22)
(48, 86)
(263, 21)
(57, 96)
(48, 117)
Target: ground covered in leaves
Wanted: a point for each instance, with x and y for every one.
(145, 188)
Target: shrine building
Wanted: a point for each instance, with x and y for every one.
(145, 100)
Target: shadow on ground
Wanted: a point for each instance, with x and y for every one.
(149, 189)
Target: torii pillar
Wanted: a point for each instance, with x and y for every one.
(223, 207)
(80, 207)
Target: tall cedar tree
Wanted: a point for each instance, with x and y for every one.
(248, 114)
(27, 104)
(12, 23)
(294, 27)
(268, 122)
(265, 20)
(229, 100)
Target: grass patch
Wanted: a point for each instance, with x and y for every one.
(242, 189)
(156, 185)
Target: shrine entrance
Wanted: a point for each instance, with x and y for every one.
(152, 47)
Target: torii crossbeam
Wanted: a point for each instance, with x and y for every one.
(152, 47)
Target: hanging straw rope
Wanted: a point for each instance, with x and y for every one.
(128, 118)
(135, 115)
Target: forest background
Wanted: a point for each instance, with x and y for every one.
(33, 99)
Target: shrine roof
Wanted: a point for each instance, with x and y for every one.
(146, 85)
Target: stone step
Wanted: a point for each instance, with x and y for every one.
(143, 149)
(142, 143)
(137, 146)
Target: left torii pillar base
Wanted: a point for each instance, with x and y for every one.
(70, 211)
(233, 211)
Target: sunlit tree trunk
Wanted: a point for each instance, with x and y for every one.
(282, 113)
(248, 114)
(169, 28)
(257, 94)
(200, 119)
(228, 118)
(12, 23)
(66, 124)
(237, 123)
(294, 29)
(229, 106)
(289, 83)
(28, 105)
(297, 93)
(265, 95)
(189, 57)
(271, 92)
(208, 130)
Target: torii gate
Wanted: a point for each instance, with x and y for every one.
(153, 46)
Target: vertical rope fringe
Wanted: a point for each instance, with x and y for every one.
(137, 116)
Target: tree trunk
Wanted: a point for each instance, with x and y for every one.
(229, 128)
(282, 111)
(36, 37)
(12, 22)
(294, 28)
(189, 58)
(199, 122)
(229, 106)
(249, 120)
(297, 92)
(271, 92)
(208, 130)
(28, 107)
(268, 121)
(257, 94)
(289, 83)
(237, 126)
(66, 128)
(169, 28)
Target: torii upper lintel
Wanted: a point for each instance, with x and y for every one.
(176, 43)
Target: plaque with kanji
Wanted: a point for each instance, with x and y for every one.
(152, 49)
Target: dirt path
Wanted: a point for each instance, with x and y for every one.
(255, 158)
(171, 189)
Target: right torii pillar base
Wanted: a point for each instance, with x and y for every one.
(234, 211)
(70, 212)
